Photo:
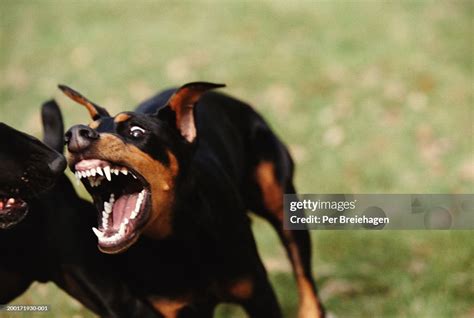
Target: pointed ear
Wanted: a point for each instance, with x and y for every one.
(53, 127)
(182, 104)
(95, 111)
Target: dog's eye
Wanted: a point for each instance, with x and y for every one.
(137, 132)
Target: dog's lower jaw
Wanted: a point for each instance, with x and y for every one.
(108, 250)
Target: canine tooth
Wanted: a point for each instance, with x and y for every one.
(99, 171)
(107, 173)
(124, 171)
(98, 233)
(137, 205)
(121, 231)
(107, 207)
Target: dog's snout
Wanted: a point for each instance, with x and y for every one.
(80, 137)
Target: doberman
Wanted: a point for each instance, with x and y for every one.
(183, 170)
(50, 244)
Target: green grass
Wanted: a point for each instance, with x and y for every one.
(371, 97)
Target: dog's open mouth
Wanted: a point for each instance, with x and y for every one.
(122, 198)
(12, 211)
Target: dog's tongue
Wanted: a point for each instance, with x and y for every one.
(123, 208)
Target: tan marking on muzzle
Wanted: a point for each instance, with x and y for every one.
(159, 177)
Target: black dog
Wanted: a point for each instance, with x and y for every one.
(183, 170)
(52, 243)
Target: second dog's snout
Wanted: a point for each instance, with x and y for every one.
(80, 137)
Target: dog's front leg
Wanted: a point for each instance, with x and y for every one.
(13, 285)
(103, 293)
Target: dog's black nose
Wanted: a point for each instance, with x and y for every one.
(80, 137)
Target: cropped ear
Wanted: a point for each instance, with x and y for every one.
(53, 127)
(95, 110)
(182, 104)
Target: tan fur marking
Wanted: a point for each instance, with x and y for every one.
(272, 194)
(309, 303)
(94, 124)
(271, 190)
(241, 289)
(111, 148)
(168, 307)
(121, 117)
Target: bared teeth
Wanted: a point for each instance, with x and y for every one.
(107, 173)
(116, 236)
(98, 171)
(108, 207)
(138, 204)
(122, 229)
(105, 222)
(98, 233)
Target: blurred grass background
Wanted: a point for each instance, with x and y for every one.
(371, 97)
